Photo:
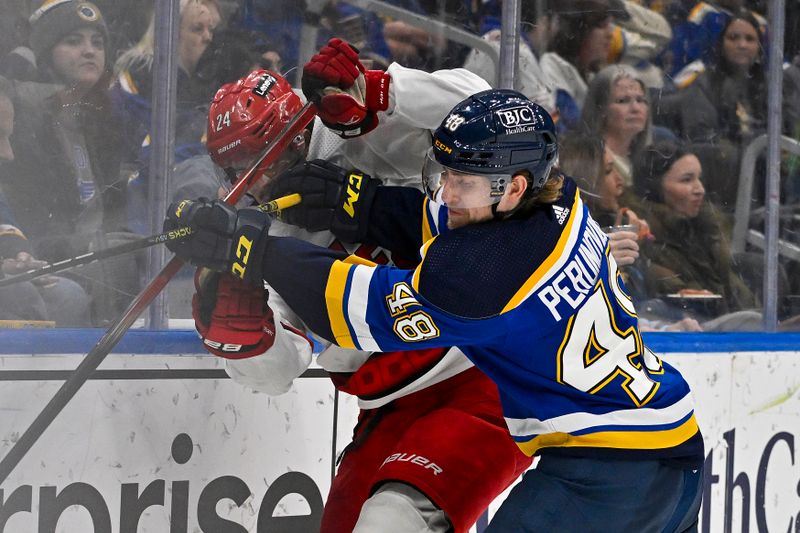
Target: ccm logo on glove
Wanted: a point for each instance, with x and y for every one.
(353, 192)
(242, 255)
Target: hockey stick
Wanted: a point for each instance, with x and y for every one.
(138, 244)
(111, 337)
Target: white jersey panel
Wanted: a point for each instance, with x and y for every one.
(273, 371)
(561, 74)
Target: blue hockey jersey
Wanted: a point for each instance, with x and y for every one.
(536, 302)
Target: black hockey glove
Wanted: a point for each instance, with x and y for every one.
(334, 199)
(223, 238)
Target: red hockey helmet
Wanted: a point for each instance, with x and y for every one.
(246, 115)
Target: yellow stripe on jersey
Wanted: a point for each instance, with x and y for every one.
(699, 11)
(617, 46)
(127, 83)
(626, 440)
(424, 252)
(427, 234)
(554, 256)
(357, 260)
(334, 297)
(8, 229)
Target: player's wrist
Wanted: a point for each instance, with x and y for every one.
(377, 90)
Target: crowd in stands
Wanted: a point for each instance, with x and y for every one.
(655, 102)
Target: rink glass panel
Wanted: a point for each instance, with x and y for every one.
(221, 41)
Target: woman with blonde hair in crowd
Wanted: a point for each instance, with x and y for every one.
(132, 93)
(133, 73)
(198, 21)
(617, 110)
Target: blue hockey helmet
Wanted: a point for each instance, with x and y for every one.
(494, 134)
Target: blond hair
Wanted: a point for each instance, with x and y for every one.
(550, 192)
(141, 54)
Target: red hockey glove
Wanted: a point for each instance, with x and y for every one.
(232, 316)
(348, 97)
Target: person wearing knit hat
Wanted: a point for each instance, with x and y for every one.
(64, 185)
(54, 22)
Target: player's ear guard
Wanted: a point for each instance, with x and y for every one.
(334, 199)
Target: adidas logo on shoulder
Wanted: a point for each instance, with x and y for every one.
(561, 214)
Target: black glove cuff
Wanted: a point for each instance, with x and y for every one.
(249, 242)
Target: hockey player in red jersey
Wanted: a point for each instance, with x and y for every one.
(411, 465)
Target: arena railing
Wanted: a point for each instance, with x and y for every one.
(743, 234)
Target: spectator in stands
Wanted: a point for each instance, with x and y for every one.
(723, 107)
(690, 257)
(48, 298)
(132, 93)
(278, 24)
(638, 40)
(538, 26)
(791, 127)
(617, 110)
(408, 44)
(591, 164)
(415, 48)
(17, 60)
(232, 53)
(694, 38)
(198, 21)
(64, 185)
(791, 95)
(579, 48)
(585, 159)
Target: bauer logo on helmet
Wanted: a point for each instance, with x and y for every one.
(227, 147)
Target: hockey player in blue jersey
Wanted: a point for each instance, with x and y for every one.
(515, 273)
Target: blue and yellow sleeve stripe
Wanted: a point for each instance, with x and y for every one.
(337, 295)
